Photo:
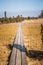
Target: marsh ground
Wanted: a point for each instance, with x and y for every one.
(33, 38)
(7, 35)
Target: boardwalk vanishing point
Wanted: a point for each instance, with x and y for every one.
(18, 55)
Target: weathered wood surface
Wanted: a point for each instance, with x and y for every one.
(18, 56)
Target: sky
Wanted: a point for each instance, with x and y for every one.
(21, 7)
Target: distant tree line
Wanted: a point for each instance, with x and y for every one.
(39, 16)
(19, 18)
(13, 19)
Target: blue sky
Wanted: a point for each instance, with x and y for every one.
(21, 7)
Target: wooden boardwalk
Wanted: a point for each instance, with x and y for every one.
(18, 56)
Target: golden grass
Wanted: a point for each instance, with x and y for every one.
(7, 35)
(32, 38)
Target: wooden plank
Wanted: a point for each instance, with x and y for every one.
(13, 54)
(13, 57)
(24, 62)
(18, 58)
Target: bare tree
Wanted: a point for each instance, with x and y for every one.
(5, 14)
(41, 14)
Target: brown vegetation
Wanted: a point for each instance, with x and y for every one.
(33, 40)
(7, 35)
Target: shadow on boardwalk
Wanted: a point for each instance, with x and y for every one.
(19, 47)
(30, 53)
(34, 54)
